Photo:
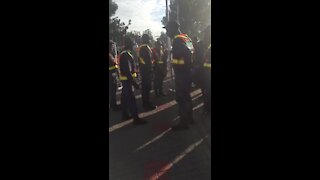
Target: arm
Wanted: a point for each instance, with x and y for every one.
(124, 66)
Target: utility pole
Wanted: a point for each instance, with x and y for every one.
(169, 51)
(178, 11)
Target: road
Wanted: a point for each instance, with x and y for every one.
(154, 151)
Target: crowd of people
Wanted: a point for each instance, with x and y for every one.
(190, 60)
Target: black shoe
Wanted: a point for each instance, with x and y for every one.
(149, 107)
(139, 121)
(126, 117)
(180, 126)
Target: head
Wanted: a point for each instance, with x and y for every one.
(145, 39)
(128, 43)
(173, 28)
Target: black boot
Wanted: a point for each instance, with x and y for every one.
(139, 121)
(126, 116)
(149, 106)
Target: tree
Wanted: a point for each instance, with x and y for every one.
(163, 38)
(194, 15)
(112, 8)
(136, 36)
(117, 29)
(148, 31)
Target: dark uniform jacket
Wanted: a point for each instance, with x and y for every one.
(182, 50)
(145, 58)
(127, 71)
(160, 60)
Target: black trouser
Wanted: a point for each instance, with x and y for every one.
(207, 91)
(198, 78)
(145, 85)
(183, 89)
(128, 100)
(112, 91)
(159, 75)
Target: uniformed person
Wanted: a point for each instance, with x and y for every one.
(207, 69)
(182, 50)
(160, 68)
(145, 58)
(113, 79)
(198, 60)
(127, 75)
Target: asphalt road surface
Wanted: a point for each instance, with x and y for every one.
(154, 151)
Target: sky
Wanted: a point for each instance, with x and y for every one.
(144, 14)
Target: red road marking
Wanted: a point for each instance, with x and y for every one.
(162, 171)
(151, 167)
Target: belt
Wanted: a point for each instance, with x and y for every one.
(123, 78)
(177, 61)
(112, 68)
(207, 65)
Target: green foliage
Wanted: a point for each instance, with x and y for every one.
(163, 38)
(135, 35)
(112, 8)
(194, 15)
(117, 29)
(149, 32)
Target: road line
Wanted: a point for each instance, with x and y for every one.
(168, 166)
(165, 132)
(149, 113)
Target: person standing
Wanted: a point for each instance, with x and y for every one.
(182, 50)
(207, 70)
(198, 69)
(113, 79)
(160, 68)
(127, 75)
(145, 59)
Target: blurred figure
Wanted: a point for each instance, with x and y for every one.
(160, 68)
(198, 71)
(127, 75)
(113, 79)
(207, 69)
(197, 64)
(145, 57)
(182, 50)
(135, 55)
